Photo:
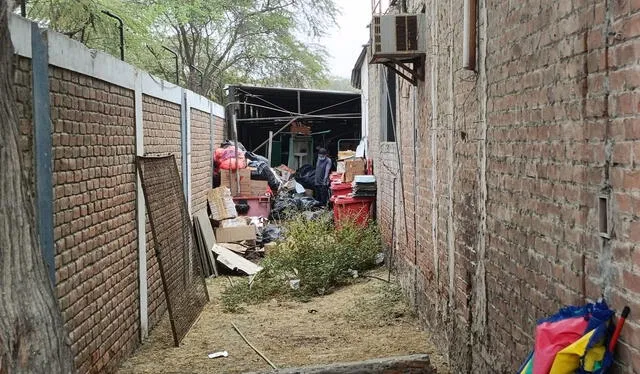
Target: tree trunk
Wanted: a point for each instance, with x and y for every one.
(32, 336)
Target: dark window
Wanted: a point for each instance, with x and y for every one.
(388, 107)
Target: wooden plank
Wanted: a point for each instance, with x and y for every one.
(413, 364)
(235, 262)
(202, 250)
(207, 236)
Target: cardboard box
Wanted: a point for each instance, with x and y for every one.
(233, 222)
(228, 178)
(235, 234)
(353, 168)
(221, 204)
(259, 188)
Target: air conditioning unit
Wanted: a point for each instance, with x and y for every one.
(398, 36)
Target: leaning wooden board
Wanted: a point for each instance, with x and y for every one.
(202, 220)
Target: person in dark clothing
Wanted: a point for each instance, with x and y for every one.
(323, 169)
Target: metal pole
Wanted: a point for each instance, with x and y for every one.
(23, 8)
(399, 154)
(176, 57)
(121, 28)
(270, 148)
(274, 134)
(235, 139)
(393, 231)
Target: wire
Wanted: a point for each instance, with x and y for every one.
(395, 137)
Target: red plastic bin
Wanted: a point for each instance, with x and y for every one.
(352, 208)
(259, 206)
(340, 189)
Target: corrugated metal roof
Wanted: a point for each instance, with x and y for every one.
(356, 79)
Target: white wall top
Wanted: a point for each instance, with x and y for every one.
(72, 55)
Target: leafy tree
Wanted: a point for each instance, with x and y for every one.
(218, 41)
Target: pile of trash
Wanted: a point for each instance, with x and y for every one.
(244, 216)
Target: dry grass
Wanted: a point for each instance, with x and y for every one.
(365, 320)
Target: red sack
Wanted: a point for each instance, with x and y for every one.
(225, 158)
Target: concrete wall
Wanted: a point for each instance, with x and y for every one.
(502, 187)
(104, 112)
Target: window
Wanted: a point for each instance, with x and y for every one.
(388, 105)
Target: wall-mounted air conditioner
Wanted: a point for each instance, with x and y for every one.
(398, 36)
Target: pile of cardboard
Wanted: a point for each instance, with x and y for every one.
(231, 228)
(240, 183)
(231, 232)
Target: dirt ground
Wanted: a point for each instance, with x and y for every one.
(368, 319)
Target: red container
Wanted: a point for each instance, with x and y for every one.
(340, 189)
(259, 206)
(335, 176)
(352, 208)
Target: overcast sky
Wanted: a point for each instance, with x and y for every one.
(344, 43)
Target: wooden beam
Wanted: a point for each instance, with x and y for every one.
(402, 364)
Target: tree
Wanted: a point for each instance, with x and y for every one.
(32, 338)
(266, 42)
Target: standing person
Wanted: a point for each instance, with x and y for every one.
(323, 168)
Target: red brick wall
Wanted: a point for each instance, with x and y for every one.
(561, 129)
(201, 159)
(161, 123)
(94, 217)
(24, 111)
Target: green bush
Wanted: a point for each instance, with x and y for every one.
(321, 256)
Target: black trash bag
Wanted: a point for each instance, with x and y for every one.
(304, 203)
(313, 215)
(282, 207)
(254, 157)
(306, 176)
(231, 143)
(272, 233)
(242, 207)
(271, 178)
(257, 176)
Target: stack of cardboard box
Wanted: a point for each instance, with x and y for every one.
(247, 186)
(231, 228)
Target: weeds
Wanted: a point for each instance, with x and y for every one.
(388, 307)
(314, 252)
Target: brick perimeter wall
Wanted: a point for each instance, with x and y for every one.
(24, 112)
(562, 129)
(201, 159)
(161, 136)
(218, 132)
(94, 217)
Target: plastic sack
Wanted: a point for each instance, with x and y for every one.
(304, 203)
(225, 158)
(231, 143)
(306, 176)
(272, 233)
(254, 157)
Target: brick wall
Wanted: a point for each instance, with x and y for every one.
(547, 125)
(218, 131)
(24, 112)
(201, 158)
(94, 217)
(161, 136)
